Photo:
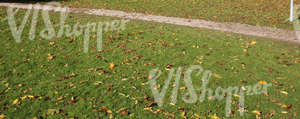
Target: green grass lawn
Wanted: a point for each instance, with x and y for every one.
(271, 13)
(56, 79)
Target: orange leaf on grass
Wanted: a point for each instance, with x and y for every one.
(262, 82)
(111, 65)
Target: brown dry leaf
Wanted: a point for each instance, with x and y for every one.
(122, 109)
(124, 113)
(270, 69)
(95, 110)
(72, 75)
(52, 44)
(109, 87)
(182, 88)
(103, 108)
(50, 57)
(59, 98)
(73, 100)
(93, 50)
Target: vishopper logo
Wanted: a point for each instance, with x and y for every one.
(191, 96)
(64, 29)
(296, 22)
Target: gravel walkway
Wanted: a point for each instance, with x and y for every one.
(266, 32)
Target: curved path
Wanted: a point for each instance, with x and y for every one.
(266, 32)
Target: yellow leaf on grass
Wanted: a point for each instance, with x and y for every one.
(253, 43)
(214, 116)
(284, 106)
(2, 116)
(30, 96)
(284, 92)
(27, 96)
(284, 112)
(236, 95)
(217, 76)
(262, 82)
(182, 114)
(109, 111)
(197, 116)
(111, 65)
(15, 101)
(256, 112)
(24, 97)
